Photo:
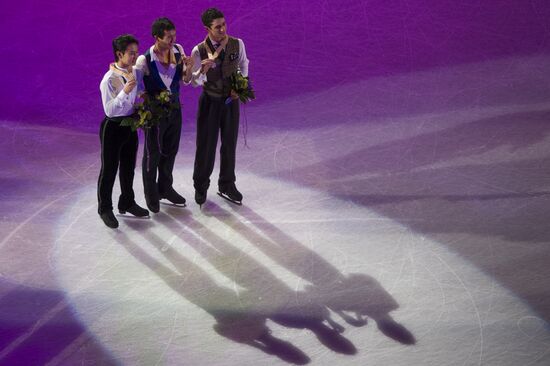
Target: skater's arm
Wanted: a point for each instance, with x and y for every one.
(198, 77)
(243, 60)
(117, 96)
(187, 63)
(141, 64)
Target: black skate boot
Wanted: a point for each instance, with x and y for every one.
(230, 193)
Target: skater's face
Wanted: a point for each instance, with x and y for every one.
(168, 40)
(217, 29)
(130, 55)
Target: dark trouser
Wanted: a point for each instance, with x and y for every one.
(159, 154)
(118, 152)
(214, 116)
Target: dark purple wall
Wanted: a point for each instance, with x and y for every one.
(55, 53)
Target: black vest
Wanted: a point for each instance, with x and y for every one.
(154, 84)
(219, 79)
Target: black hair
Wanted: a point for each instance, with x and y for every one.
(209, 15)
(160, 25)
(121, 43)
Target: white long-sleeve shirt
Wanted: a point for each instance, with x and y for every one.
(116, 103)
(199, 79)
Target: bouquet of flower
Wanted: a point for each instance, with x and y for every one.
(150, 111)
(241, 88)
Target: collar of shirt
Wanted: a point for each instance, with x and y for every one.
(120, 68)
(154, 55)
(214, 43)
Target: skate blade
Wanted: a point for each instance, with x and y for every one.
(127, 215)
(239, 203)
(168, 203)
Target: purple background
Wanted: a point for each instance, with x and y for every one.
(55, 53)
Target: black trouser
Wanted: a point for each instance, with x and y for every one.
(159, 154)
(118, 152)
(215, 117)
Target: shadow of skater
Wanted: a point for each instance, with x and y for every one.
(363, 296)
(233, 322)
(358, 294)
(265, 292)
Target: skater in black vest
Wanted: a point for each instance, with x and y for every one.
(215, 60)
(119, 88)
(164, 65)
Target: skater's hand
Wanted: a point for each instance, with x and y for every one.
(206, 64)
(188, 62)
(130, 83)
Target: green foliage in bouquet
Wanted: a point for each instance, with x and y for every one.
(242, 86)
(150, 111)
